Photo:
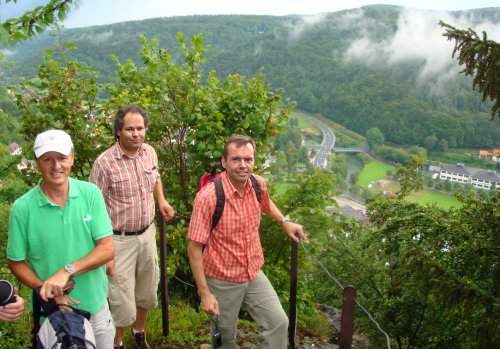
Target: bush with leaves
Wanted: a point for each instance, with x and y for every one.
(192, 114)
(64, 96)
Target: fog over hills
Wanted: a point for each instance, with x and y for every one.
(377, 66)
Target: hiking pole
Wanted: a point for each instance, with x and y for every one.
(163, 275)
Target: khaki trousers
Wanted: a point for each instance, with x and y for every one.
(263, 305)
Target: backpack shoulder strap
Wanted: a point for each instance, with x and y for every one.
(221, 201)
(256, 187)
(37, 313)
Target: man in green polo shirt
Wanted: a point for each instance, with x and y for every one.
(59, 230)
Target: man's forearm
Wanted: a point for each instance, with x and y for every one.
(158, 191)
(23, 273)
(101, 254)
(196, 262)
(274, 213)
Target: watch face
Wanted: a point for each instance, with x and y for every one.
(70, 269)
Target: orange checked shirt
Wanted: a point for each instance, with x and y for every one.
(127, 185)
(233, 251)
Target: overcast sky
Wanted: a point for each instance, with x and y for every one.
(97, 12)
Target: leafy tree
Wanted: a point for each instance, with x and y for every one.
(289, 134)
(292, 156)
(64, 97)
(279, 166)
(374, 137)
(304, 156)
(419, 270)
(439, 185)
(447, 185)
(409, 175)
(430, 142)
(442, 145)
(192, 114)
(481, 58)
(36, 20)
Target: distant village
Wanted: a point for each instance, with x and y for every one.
(458, 173)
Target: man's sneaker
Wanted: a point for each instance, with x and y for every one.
(139, 340)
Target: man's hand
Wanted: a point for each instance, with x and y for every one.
(65, 299)
(166, 210)
(53, 286)
(110, 267)
(295, 231)
(209, 304)
(12, 311)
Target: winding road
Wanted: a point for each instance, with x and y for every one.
(321, 158)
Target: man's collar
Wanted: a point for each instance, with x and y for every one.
(42, 198)
(119, 153)
(231, 187)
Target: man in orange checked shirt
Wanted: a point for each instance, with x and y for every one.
(228, 270)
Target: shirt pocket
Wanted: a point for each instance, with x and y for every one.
(150, 179)
(122, 186)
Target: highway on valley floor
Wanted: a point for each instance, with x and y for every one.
(321, 158)
(321, 161)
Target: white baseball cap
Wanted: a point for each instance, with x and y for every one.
(52, 140)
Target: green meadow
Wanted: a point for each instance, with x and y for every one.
(372, 172)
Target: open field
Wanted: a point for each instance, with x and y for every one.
(304, 123)
(372, 172)
(376, 171)
(426, 196)
(441, 200)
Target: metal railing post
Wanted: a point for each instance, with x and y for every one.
(292, 324)
(163, 276)
(347, 318)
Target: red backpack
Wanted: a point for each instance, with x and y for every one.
(213, 176)
(209, 177)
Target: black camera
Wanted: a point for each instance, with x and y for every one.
(216, 336)
(216, 339)
(6, 293)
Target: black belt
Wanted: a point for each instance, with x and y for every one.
(129, 233)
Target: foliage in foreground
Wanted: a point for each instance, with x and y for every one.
(429, 276)
(481, 58)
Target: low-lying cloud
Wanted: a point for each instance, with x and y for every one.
(97, 38)
(419, 38)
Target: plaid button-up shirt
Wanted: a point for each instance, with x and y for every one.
(127, 185)
(233, 250)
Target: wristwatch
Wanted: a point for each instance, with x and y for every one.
(70, 269)
(284, 219)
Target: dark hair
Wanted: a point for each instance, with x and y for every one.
(120, 116)
(240, 141)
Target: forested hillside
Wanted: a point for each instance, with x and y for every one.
(377, 66)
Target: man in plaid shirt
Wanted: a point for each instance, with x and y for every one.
(228, 270)
(127, 174)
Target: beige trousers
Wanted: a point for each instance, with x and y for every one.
(261, 302)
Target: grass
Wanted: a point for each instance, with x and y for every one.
(376, 170)
(426, 196)
(372, 172)
(282, 187)
(187, 328)
(305, 123)
(441, 200)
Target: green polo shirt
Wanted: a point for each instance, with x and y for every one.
(48, 237)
